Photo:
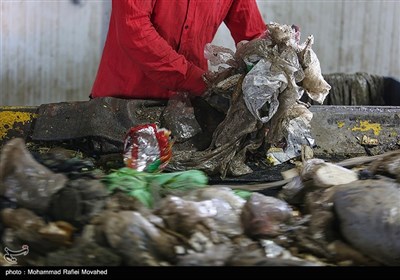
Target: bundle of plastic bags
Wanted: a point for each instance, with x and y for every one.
(264, 80)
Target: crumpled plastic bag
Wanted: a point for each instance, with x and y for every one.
(179, 118)
(134, 237)
(263, 216)
(25, 181)
(148, 188)
(227, 151)
(201, 209)
(261, 89)
(314, 83)
(217, 55)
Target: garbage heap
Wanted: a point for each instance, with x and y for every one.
(58, 209)
(262, 82)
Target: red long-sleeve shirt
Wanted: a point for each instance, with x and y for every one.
(156, 47)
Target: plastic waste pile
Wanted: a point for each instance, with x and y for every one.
(263, 81)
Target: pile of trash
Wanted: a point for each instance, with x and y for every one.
(58, 209)
(262, 83)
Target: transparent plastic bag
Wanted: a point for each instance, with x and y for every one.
(261, 88)
(217, 55)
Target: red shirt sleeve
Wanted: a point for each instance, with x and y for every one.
(144, 45)
(244, 20)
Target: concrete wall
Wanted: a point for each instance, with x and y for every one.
(50, 49)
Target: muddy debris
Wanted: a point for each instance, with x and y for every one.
(25, 181)
(262, 216)
(314, 220)
(87, 254)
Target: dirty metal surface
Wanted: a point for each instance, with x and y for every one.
(99, 125)
(338, 132)
(349, 131)
(16, 121)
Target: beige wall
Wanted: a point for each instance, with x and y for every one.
(50, 50)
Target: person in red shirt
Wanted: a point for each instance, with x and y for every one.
(155, 48)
